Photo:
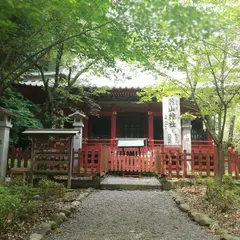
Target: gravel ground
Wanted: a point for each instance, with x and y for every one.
(123, 215)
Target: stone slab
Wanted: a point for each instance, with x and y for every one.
(130, 183)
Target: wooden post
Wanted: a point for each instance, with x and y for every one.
(69, 183)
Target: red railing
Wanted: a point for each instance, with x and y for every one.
(202, 145)
(97, 160)
(182, 164)
(90, 161)
(132, 160)
(19, 157)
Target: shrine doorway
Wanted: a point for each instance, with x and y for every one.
(158, 128)
(132, 125)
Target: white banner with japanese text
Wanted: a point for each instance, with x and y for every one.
(171, 121)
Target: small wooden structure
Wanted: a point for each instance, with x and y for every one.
(51, 152)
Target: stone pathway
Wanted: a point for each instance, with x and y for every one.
(123, 215)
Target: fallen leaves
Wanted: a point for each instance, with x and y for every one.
(229, 220)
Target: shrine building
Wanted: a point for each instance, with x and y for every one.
(123, 121)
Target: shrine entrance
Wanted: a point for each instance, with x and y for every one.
(132, 125)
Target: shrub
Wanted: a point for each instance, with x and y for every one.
(17, 181)
(25, 192)
(17, 201)
(18, 186)
(195, 180)
(50, 189)
(29, 209)
(223, 195)
(8, 207)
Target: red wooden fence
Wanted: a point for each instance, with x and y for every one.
(97, 160)
(18, 157)
(132, 160)
(91, 161)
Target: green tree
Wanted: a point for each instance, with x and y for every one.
(29, 30)
(211, 65)
(25, 114)
(135, 30)
(211, 86)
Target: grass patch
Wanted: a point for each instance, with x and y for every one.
(23, 205)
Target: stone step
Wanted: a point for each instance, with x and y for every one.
(129, 187)
(130, 183)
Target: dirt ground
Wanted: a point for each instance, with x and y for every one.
(229, 220)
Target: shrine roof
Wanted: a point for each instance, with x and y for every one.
(4, 111)
(135, 83)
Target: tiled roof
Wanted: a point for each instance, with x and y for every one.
(134, 83)
(4, 111)
(35, 79)
(137, 80)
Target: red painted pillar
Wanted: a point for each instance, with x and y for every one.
(113, 127)
(150, 128)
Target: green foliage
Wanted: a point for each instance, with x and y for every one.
(210, 67)
(196, 180)
(24, 111)
(29, 209)
(18, 201)
(223, 195)
(51, 190)
(18, 186)
(31, 30)
(25, 192)
(129, 30)
(8, 207)
(188, 115)
(165, 88)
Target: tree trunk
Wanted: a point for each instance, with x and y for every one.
(220, 161)
(231, 128)
(49, 120)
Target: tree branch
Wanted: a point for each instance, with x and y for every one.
(57, 67)
(73, 81)
(18, 74)
(222, 49)
(46, 49)
(215, 80)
